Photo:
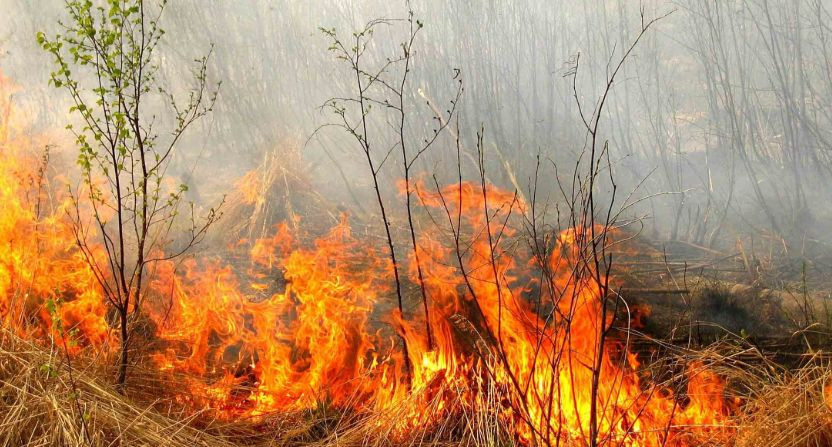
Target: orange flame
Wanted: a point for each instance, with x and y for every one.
(39, 263)
(297, 324)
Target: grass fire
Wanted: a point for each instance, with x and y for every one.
(412, 223)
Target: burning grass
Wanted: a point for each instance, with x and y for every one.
(299, 344)
(496, 370)
(42, 405)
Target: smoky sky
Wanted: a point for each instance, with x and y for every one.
(719, 120)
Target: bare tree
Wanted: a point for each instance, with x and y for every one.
(386, 86)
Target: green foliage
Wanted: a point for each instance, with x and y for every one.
(111, 44)
(49, 370)
(105, 57)
(52, 308)
(70, 336)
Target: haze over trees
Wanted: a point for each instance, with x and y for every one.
(723, 115)
(530, 223)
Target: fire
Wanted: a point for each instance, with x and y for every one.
(299, 323)
(39, 262)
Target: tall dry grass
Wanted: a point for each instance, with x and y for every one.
(42, 405)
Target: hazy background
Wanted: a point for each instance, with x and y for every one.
(722, 115)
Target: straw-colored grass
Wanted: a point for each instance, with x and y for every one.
(45, 402)
(789, 409)
(40, 405)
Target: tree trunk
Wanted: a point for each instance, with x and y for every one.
(122, 365)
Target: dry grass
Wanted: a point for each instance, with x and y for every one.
(41, 404)
(775, 406)
(39, 407)
(789, 408)
(278, 190)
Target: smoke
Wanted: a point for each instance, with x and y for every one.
(720, 117)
